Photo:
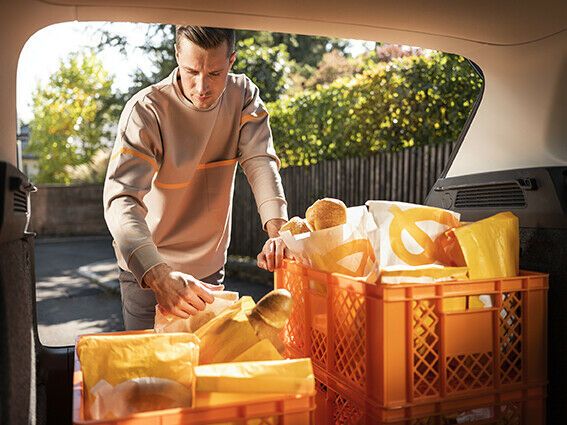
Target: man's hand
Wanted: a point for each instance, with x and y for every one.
(179, 293)
(272, 255)
(274, 250)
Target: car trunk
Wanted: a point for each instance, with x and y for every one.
(36, 380)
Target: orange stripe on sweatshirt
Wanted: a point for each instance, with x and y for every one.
(216, 164)
(252, 117)
(129, 151)
(181, 185)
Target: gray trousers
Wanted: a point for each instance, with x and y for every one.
(139, 304)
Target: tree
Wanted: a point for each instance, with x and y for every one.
(303, 49)
(267, 67)
(409, 101)
(332, 66)
(269, 59)
(74, 116)
(159, 47)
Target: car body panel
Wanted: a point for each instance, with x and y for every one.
(521, 48)
(521, 122)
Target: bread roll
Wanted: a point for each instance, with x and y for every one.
(325, 213)
(270, 315)
(296, 226)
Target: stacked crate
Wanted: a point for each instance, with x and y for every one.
(461, 352)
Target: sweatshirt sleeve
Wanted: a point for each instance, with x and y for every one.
(258, 158)
(134, 162)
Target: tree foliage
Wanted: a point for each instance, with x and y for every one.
(304, 50)
(409, 101)
(269, 59)
(267, 67)
(73, 116)
(159, 47)
(333, 65)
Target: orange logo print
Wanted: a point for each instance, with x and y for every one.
(330, 261)
(406, 220)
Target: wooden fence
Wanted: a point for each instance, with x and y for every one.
(401, 176)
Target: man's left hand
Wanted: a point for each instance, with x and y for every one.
(272, 255)
(274, 250)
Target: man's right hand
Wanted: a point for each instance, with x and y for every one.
(179, 293)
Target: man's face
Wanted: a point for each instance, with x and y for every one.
(203, 72)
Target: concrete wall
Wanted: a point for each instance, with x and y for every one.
(68, 211)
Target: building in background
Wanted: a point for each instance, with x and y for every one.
(27, 162)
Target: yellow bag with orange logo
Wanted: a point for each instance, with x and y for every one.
(348, 249)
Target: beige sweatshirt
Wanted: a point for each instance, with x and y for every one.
(170, 181)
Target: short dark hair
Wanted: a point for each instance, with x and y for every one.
(206, 37)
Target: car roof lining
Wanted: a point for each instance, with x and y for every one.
(505, 23)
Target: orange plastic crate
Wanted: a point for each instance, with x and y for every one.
(266, 410)
(400, 345)
(338, 406)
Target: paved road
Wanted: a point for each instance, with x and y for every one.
(69, 304)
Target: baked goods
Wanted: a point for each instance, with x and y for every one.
(323, 214)
(270, 315)
(326, 213)
(296, 226)
(273, 309)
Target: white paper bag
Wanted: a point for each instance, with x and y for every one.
(408, 232)
(347, 249)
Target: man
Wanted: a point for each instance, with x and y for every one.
(169, 186)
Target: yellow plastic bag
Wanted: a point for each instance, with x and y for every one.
(279, 376)
(230, 334)
(147, 360)
(491, 247)
(251, 382)
(262, 350)
(448, 250)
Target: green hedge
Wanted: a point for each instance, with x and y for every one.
(407, 102)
